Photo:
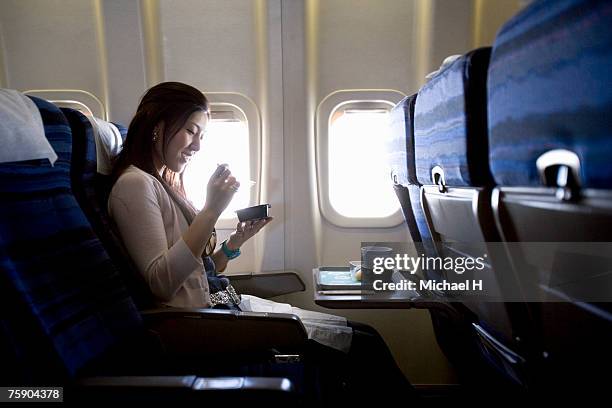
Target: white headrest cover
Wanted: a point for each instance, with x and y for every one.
(22, 135)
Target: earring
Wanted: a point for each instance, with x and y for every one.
(155, 136)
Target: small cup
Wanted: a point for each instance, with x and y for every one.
(368, 254)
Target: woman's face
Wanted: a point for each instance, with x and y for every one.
(186, 142)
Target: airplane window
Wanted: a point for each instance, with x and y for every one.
(358, 178)
(225, 141)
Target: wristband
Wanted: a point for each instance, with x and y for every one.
(228, 252)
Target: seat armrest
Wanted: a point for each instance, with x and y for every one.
(206, 390)
(196, 332)
(269, 284)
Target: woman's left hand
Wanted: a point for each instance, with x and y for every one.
(244, 231)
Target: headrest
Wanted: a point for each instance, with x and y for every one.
(108, 144)
(450, 123)
(550, 89)
(105, 136)
(447, 61)
(401, 143)
(21, 130)
(84, 164)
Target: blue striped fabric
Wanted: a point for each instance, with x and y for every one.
(450, 123)
(550, 87)
(402, 126)
(49, 253)
(401, 150)
(91, 191)
(400, 146)
(83, 164)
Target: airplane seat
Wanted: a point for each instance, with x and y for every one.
(91, 191)
(47, 246)
(66, 314)
(403, 173)
(550, 121)
(448, 324)
(451, 160)
(400, 155)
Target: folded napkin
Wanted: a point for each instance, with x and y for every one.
(324, 328)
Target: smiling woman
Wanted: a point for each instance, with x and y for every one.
(171, 242)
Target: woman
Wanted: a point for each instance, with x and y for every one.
(172, 244)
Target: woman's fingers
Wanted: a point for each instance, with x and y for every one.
(246, 230)
(222, 169)
(228, 182)
(223, 176)
(263, 222)
(219, 170)
(255, 226)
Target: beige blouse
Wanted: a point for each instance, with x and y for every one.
(151, 226)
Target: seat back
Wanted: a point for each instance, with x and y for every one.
(451, 156)
(91, 190)
(68, 305)
(550, 121)
(400, 151)
(452, 334)
(403, 173)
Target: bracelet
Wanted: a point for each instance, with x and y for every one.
(231, 254)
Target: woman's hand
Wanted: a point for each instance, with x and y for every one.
(220, 190)
(244, 231)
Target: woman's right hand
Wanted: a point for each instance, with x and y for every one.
(220, 190)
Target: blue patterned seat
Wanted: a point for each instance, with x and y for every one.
(451, 157)
(400, 155)
(91, 190)
(402, 159)
(550, 121)
(550, 88)
(450, 125)
(65, 292)
(454, 343)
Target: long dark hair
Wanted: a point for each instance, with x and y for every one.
(170, 103)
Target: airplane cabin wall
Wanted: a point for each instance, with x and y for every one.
(344, 44)
(284, 55)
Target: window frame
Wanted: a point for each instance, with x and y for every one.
(83, 101)
(243, 106)
(373, 99)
